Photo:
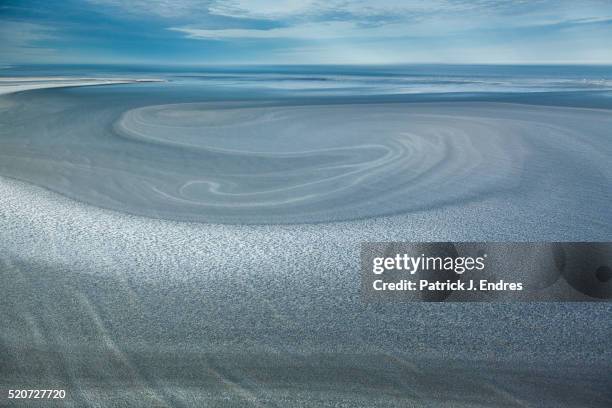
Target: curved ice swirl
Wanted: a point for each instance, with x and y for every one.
(260, 163)
(321, 163)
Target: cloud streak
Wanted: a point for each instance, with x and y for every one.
(23, 39)
(312, 31)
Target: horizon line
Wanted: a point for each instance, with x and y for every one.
(235, 64)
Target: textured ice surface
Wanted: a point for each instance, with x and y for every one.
(124, 310)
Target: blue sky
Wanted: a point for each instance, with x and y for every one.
(305, 31)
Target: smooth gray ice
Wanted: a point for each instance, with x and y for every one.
(262, 162)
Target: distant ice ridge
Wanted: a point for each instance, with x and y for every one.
(316, 84)
(18, 84)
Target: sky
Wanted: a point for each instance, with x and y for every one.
(306, 31)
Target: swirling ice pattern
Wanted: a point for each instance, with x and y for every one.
(260, 163)
(293, 164)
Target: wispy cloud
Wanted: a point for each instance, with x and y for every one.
(267, 9)
(23, 40)
(312, 30)
(162, 8)
(319, 9)
(342, 19)
(323, 30)
(365, 9)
